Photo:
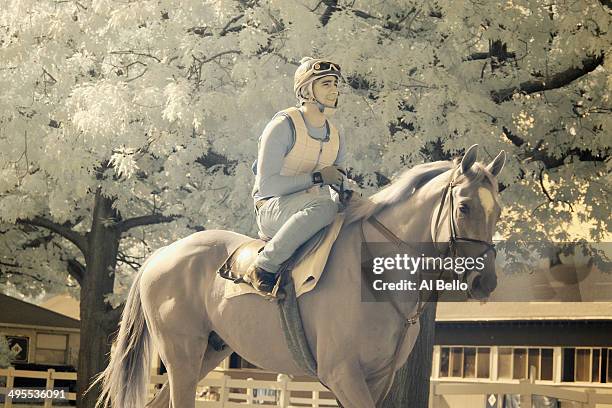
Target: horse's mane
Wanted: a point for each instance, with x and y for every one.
(404, 187)
(400, 189)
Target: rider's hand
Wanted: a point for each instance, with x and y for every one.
(328, 175)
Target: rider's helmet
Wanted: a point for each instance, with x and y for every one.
(309, 70)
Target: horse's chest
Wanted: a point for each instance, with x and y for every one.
(386, 351)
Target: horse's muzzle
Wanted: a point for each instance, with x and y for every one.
(481, 286)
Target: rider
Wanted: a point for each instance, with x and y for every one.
(299, 153)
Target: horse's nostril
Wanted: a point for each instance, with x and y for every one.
(474, 280)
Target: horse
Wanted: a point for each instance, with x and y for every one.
(177, 298)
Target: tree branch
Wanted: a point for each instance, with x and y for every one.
(129, 261)
(485, 55)
(151, 219)
(331, 6)
(10, 264)
(516, 140)
(130, 52)
(220, 54)
(76, 270)
(538, 154)
(77, 239)
(548, 196)
(228, 29)
(30, 276)
(557, 81)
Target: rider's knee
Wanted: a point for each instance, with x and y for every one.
(326, 209)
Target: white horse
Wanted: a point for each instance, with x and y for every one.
(177, 300)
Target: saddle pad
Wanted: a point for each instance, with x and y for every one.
(307, 272)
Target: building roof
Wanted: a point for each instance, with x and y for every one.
(15, 311)
(63, 304)
(505, 311)
(560, 292)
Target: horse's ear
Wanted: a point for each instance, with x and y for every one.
(496, 166)
(469, 158)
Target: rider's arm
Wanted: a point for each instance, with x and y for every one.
(340, 163)
(341, 151)
(274, 144)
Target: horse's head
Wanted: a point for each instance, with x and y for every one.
(471, 210)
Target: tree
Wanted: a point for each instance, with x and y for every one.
(126, 126)
(5, 352)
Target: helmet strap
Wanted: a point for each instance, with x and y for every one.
(320, 106)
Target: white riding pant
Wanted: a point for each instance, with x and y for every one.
(290, 221)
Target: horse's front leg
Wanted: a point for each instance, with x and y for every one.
(347, 381)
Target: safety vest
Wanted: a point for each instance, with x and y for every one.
(308, 154)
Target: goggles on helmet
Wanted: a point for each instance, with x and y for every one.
(321, 67)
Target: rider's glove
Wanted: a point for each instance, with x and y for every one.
(328, 175)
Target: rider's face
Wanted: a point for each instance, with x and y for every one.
(326, 90)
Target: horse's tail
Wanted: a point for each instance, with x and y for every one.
(124, 381)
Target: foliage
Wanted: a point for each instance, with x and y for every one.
(159, 104)
(155, 108)
(5, 352)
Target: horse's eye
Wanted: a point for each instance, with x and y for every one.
(464, 209)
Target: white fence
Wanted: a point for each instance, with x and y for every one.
(223, 392)
(589, 398)
(50, 376)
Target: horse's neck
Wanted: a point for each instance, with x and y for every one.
(411, 222)
(411, 219)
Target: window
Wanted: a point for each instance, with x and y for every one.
(583, 364)
(546, 371)
(483, 358)
(596, 366)
(238, 362)
(522, 363)
(608, 363)
(464, 362)
(19, 345)
(51, 348)
(469, 362)
(504, 369)
(533, 362)
(444, 359)
(456, 362)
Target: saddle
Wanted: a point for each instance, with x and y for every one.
(304, 267)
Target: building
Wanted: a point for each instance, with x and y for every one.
(563, 341)
(38, 335)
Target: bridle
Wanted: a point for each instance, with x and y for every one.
(451, 243)
(451, 251)
(454, 238)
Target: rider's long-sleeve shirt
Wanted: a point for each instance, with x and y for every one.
(275, 142)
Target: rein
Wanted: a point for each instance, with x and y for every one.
(420, 307)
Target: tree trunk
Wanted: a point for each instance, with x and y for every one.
(97, 283)
(411, 384)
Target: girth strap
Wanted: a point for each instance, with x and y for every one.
(293, 329)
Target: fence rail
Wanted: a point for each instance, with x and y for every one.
(226, 392)
(589, 398)
(223, 392)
